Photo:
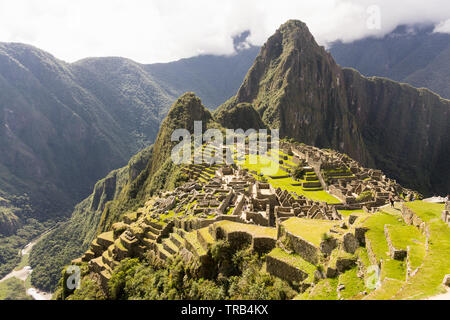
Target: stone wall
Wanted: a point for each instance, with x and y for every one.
(411, 218)
(395, 253)
(263, 245)
(284, 270)
(224, 204)
(257, 218)
(372, 257)
(302, 247)
(199, 223)
(239, 205)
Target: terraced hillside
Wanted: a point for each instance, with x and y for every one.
(313, 244)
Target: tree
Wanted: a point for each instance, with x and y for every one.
(299, 172)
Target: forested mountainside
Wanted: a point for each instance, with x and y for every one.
(71, 237)
(64, 126)
(75, 122)
(120, 192)
(413, 54)
(296, 85)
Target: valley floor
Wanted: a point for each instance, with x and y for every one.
(16, 284)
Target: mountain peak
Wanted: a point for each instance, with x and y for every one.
(294, 25)
(295, 32)
(187, 109)
(285, 59)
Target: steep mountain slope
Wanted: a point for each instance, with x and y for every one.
(121, 191)
(69, 124)
(72, 237)
(412, 54)
(57, 137)
(296, 86)
(240, 116)
(132, 95)
(64, 126)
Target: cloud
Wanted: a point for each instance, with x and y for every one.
(443, 27)
(162, 30)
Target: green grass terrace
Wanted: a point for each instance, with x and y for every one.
(280, 178)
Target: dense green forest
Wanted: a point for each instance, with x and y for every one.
(11, 245)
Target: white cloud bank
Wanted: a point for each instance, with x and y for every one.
(165, 30)
(443, 27)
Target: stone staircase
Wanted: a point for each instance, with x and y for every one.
(312, 182)
(196, 242)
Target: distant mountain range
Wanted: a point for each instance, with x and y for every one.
(64, 126)
(411, 54)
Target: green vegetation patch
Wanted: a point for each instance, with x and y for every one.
(13, 289)
(347, 213)
(393, 269)
(426, 210)
(375, 224)
(204, 232)
(324, 290)
(310, 230)
(108, 236)
(389, 287)
(403, 237)
(353, 286)
(363, 256)
(254, 230)
(191, 237)
(428, 280)
(259, 162)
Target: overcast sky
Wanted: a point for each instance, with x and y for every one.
(166, 30)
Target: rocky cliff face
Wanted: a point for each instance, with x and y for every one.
(296, 86)
(406, 130)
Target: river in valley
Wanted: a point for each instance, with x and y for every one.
(26, 271)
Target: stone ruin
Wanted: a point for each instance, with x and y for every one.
(175, 221)
(345, 179)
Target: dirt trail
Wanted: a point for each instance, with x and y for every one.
(21, 274)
